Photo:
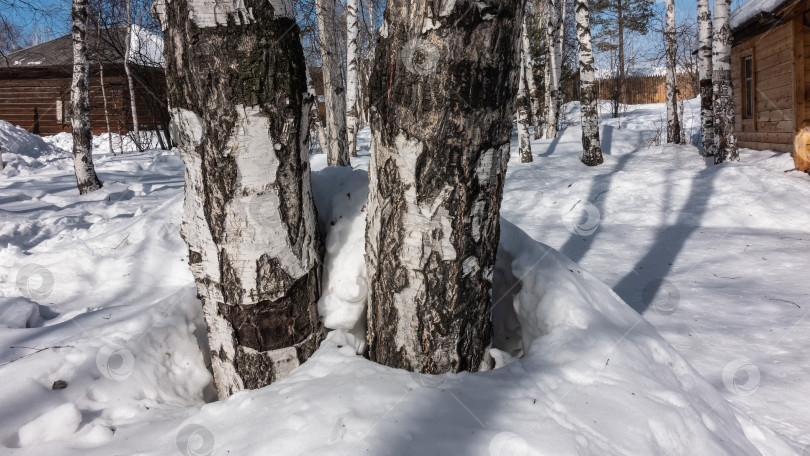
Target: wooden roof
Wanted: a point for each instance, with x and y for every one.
(758, 16)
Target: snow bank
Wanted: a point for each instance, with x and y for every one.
(22, 150)
(753, 8)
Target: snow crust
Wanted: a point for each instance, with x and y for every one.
(95, 291)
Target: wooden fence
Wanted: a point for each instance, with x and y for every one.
(647, 89)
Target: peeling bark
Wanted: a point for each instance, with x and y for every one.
(443, 87)
(673, 125)
(240, 114)
(352, 79)
(726, 142)
(589, 104)
(704, 18)
(86, 178)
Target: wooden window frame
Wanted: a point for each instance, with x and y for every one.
(749, 89)
(749, 123)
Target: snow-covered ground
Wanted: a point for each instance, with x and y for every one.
(95, 292)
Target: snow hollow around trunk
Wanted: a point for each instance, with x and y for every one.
(121, 326)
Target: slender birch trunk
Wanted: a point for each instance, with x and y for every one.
(673, 126)
(523, 106)
(531, 86)
(589, 104)
(248, 216)
(333, 90)
(554, 64)
(558, 111)
(316, 114)
(106, 111)
(721, 78)
(443, 90)
(86, 178)
(132, 100)
(352, 117)
(704, 17)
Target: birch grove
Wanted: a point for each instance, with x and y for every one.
(726, 139)
(248, 214)
(673, 126)
(352, 82)
(443, 89)
(333, 89)
(704, 18)
(86, 178)
(589, 104)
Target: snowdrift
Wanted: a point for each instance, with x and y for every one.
(22, 150)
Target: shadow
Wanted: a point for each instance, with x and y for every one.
(647, 280)
(552, 145)
(606, 139)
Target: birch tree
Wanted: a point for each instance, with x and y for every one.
(86, 178)
(333, 89)
(352, 80)
(316, 114)
(531, 86)
(554, 37)
(726, 142)
(704, 17)
(443, 88)
(673, 126)
(133, 105)
(523, 106)
(589, 104)
(240, 110)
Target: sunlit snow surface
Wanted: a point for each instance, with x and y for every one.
(713, 258)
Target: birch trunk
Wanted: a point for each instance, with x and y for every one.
(721, 78)
(132, 100)
(589, 104)
(352, 117)
(86, 178)
(106, 111)
(333, 90)
(443, 88)
(531, 86)
(316, 115)
(523, 107)
(553, 62)
(704, 17)
(240, 113)
(673, 126)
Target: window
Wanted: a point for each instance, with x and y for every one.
(748, 88)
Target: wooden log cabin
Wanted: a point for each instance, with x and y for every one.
(35, 84)
(771, 76)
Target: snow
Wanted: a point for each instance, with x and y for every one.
(751, 9)
(687, 338)
(147, 47)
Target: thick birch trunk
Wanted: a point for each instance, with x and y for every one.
(443, 86)
(721, 78)
(333, 90)
(316, 115)
(106, 111)
(86, 178)
(523, 106)
(132, 100)
(673, 126)
(531, 86)
(589, 104)
(553, 62)
(240, 113)
(704, 17)
(352, 117)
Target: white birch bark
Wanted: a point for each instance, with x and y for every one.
(248, 214)
(523, 106)
(130, 82)
(334, 92)
(531, 86)
(726, 139)
(86, 178)
(106, 111)
(704, 18)
(673, 126)
(589, 104)
(352, 83)
(554, 32)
